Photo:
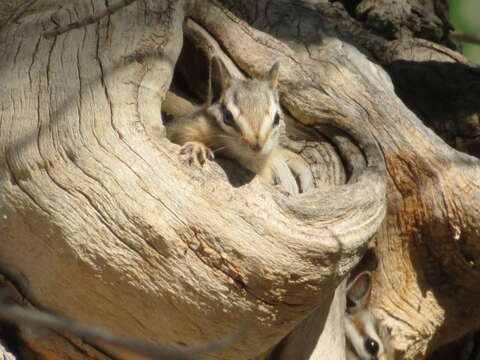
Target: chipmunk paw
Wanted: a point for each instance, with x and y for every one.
(196, 153)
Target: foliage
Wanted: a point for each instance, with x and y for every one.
(465, 16)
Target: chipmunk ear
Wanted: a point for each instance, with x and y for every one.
(358, 292)
(220, 80)
(272, 76)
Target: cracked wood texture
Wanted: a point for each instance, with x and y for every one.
(100, 219)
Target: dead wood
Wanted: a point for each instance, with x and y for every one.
(96, 202)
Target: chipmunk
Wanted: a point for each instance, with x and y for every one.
(366, 338)
(242, 122)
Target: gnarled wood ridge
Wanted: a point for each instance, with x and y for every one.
(101, 220)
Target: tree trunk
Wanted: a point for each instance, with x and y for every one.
(101, 220)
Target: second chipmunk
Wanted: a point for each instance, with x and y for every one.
(366, 337)
(242, 122)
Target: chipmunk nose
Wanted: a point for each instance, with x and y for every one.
(255, 147)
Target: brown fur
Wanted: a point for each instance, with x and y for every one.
(242, 123)
(361, 325)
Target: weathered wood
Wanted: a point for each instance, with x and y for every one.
(96, 202)
(121, 214)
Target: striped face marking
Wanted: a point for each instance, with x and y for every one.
(251, 112)
(366, 338)
(362, 335)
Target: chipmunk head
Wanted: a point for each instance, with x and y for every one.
(366, 338)
(248, 111)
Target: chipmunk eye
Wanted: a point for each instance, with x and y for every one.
(276, 120)
(371, 346)
(228, 118)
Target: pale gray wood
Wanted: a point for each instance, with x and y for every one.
(101, 220)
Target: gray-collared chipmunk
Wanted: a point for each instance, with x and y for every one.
(366, 337)
(242, 122)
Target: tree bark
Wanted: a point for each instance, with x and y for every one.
(102, 221)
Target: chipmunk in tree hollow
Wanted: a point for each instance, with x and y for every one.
(366, 338)
(242, 122)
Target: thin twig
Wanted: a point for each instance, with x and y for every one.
(465, 37)
(17, 314)
(89, 20)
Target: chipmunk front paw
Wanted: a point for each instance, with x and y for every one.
(196, 153)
